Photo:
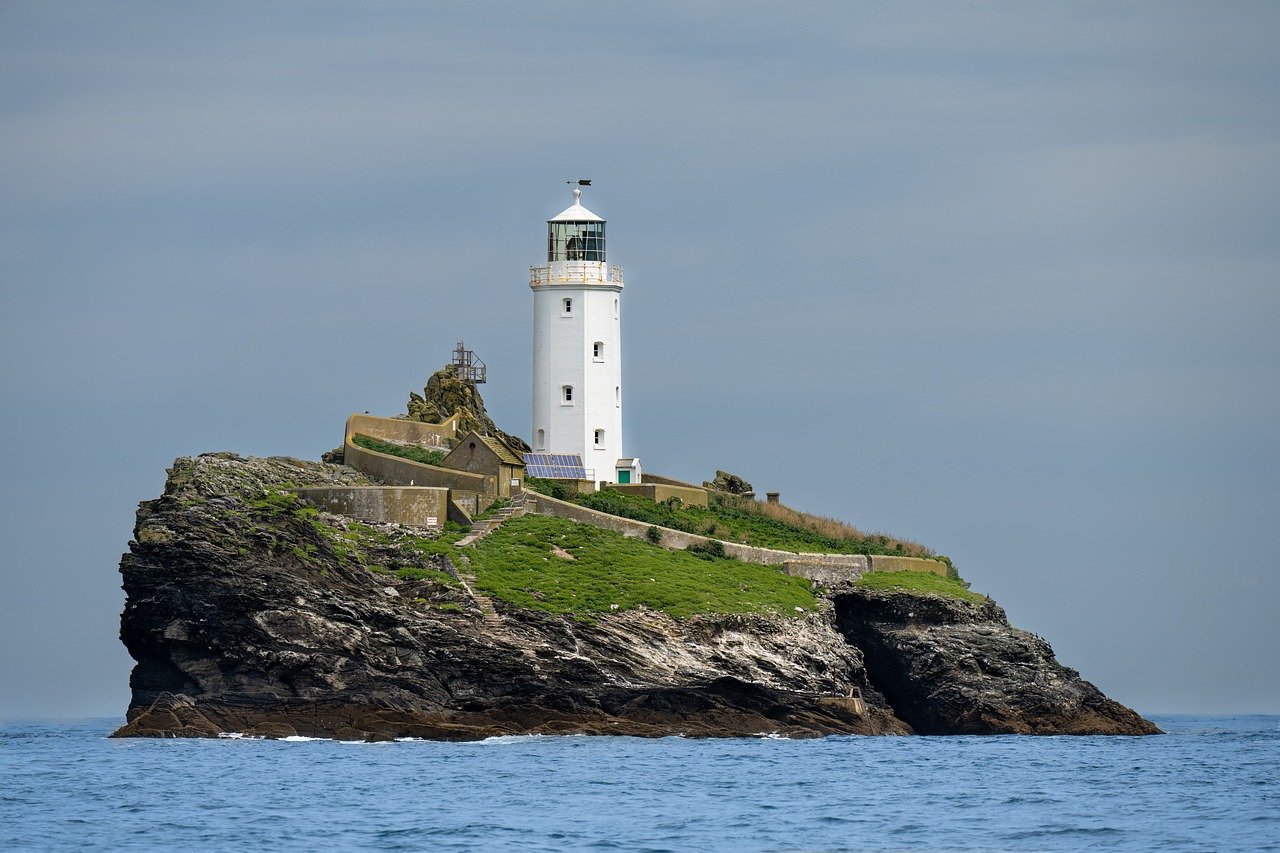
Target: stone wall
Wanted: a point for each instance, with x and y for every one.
(421, 506)
(658, 492)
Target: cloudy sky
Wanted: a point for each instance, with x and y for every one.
(999, 277)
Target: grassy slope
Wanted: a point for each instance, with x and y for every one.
(920, 582)
(737, 524)
(518, 563)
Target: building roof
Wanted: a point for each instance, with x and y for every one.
(504, 453)
(575, 212)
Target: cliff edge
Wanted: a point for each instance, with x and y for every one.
(249, 612)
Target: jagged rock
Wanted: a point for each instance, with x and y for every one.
(731, 483)
(445, 393)
(948, 666)
(248, 612)
(336, 456)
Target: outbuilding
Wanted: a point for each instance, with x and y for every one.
(502, 469)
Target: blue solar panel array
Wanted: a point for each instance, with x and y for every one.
(555, 466)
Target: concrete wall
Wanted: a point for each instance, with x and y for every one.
(881, 563)
(416, 505)
(464, 505)
(400, 431)
(395, 471)
(657, 492)
(668, 481)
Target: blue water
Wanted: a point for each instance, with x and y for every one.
(1211, 784)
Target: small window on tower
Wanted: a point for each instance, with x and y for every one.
(615, 309)
(597, 351)
(542, 439)
(599, 438)
(617, 395)
(568, 306)
(567, 395)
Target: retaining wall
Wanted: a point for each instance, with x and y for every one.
(658, 492)
(886, 563)
(396, 471)
(421, 506)
(825, 568)
(667, 481)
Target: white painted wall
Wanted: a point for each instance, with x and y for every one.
(563, 354)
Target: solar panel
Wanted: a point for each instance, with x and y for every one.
(555, 466)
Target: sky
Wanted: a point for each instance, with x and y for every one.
(999, 277)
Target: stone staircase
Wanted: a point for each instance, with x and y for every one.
(482, 528)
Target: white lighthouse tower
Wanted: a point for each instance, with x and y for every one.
(577, 347)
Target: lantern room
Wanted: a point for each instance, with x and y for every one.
(575, 234)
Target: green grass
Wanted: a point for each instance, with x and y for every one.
(923, 582)
(424, 455)
(517, 564)
(723, 520)
(412, 573)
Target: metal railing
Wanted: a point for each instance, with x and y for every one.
(584, 272)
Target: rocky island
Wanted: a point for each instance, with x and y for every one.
(251, 611)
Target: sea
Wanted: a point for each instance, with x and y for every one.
(1211, 783)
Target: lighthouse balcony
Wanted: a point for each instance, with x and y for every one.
(575, 272)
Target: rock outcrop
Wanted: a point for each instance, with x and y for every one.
(447, 392)
(731, 483)
(949, 666)
(249, 612)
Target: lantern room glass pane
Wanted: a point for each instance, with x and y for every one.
(575, 241)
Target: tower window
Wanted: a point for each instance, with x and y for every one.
(597, 350)
(615, 309)
(568, 306)
(599, 438)
(567, 395)
(542, 439)
(617, 395)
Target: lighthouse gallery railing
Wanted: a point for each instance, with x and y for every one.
(585, 272)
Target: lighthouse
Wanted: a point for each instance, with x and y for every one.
(577, 347)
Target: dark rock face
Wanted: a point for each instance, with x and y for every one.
(247, 612)
(948, 666)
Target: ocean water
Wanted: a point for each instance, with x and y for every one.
(1211, 784)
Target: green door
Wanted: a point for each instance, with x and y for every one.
(624, 477)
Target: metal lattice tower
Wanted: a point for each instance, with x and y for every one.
(468, 366)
